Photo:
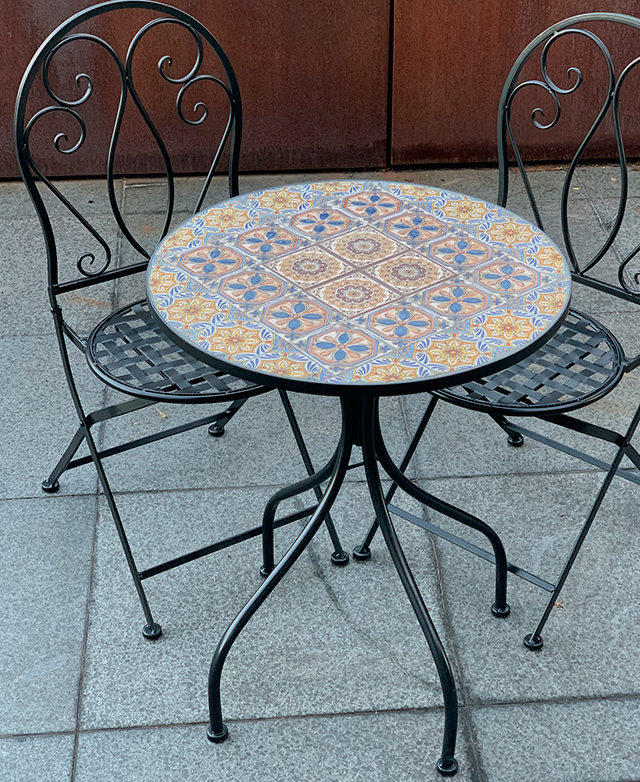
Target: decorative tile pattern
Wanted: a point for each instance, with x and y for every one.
(321, 222)
(309, 267)
(354, 295)
(358, 282)
(415, 227)
(409, 272)
(364, 246)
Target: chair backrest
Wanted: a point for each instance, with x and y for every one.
(130, 73)
(576, 87)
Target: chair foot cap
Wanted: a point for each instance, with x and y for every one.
(340, 558)
(449, 769)
(219, 736)
(50, 488)
(535, 643)
(264, 572)
(516, 440)
(216, 431)
(361, 553)
(501, 613)
(152, 632)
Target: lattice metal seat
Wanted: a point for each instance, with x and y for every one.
(580, 364)
(130, 352)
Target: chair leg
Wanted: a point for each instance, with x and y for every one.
(515, 439)
(217, 428)
(151, 630)
(534, 640)
(339, 556)
(51, 484)
(363, 552)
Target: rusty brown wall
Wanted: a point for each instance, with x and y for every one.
(313, 78)
(451, 60)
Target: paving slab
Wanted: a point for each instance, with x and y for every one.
(148, 195)
(258, 447)
(89, 196)
(401, 747)
(23, 266)
(329, 640)
(36, 759)
(460, 442)
(45, 561)
(38, 417)
(591, 639)
(589, 741)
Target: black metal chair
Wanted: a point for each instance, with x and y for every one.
(584, 361)
(127, 350)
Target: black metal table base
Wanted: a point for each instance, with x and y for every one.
(361, 427)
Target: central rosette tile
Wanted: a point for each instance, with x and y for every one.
(409, 272)
(354, 294)
(364, 246)
(309, 267)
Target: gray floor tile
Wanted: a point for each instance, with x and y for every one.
(45, 561)
(538, 520)
(590, 741)
(89, 196)
(258, 447)
(460, 442)
(147, 196)
(329, 639)
(23, 265)
(36, 759)
(603, 181)
(38, 417)
(399, 747)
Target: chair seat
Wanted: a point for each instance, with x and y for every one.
(130, 352)
(581, 363)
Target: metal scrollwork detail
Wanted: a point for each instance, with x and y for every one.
(539, 112)
(199, 104)
(573, 73)
(199, 110)
(86, 263)
(59, 137)
(88, 272)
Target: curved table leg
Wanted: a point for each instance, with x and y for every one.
(218, 731)
(269, 515)
(339, 556)
(447, 764)
(363, 551)
(500, 608)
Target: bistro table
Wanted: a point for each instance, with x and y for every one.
(359, 289)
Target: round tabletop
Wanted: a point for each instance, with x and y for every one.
(358, 287)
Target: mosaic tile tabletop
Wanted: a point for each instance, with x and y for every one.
(358, 283)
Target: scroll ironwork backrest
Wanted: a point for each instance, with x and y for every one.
(91, 269)
(627, 284)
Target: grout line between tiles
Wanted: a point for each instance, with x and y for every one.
(470, 707)
(275, 486)
(85, 636)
